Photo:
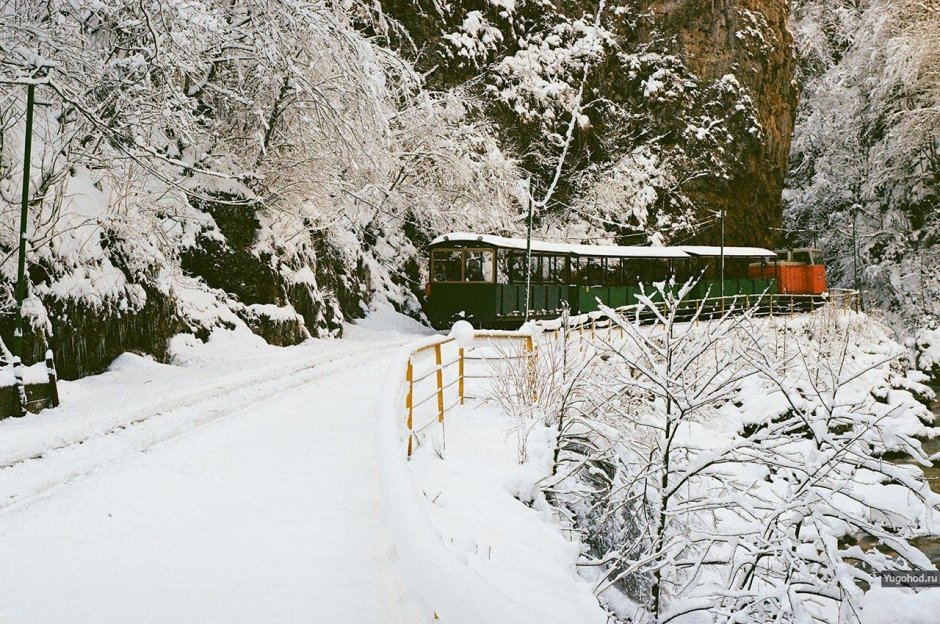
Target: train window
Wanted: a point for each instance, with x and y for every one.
(517, 268)
(536, 275)
(592, 271)
(545, 269)
(551, 270)
(629, 271)
(502, 267)
(802, 256)
(613, 274)
(447, 266)
(658, 270)
(478, 266)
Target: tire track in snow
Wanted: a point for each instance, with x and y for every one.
(27, 480)
(223, 388)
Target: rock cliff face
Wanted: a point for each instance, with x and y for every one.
(749, 39)
(693, 100)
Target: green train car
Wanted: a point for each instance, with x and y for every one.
(481, 278)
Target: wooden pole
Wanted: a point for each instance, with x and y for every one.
(530, 363)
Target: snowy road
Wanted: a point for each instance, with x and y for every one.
(264, 513)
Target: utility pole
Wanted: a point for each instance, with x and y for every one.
(21, 263)
(528, 252)
(858, 286)
(854, 250)
(721, 215)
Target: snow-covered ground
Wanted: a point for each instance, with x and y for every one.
(238, 487)
(248, 483)
(513, 553)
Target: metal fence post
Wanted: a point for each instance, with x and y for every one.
(440, 382)
(460, 372)
(409, 404)
(20, 292)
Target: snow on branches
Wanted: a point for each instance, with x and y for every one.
(731, 470)
(271, 134)
(866, 152)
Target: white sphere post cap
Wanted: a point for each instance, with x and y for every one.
(462, 332)
(530, 329)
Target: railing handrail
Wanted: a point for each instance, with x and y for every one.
(438, 373)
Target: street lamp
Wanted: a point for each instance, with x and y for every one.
(721, 216)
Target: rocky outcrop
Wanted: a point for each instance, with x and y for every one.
(749, 39)
(704, 88)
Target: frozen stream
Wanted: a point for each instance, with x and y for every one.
(930, 546)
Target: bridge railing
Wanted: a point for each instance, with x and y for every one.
(439, 369)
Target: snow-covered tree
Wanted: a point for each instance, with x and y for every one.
(729, 469)
(865, 165)
(210, 163)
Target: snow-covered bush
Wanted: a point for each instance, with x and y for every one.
(730, 469)
(546, 386)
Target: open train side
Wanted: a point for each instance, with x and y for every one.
(482, 278)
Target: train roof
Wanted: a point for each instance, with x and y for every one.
(710, 251)
(619, 251)
(504, 242)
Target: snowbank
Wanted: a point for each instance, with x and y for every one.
(468, 551)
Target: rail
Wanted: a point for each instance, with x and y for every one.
(448, 371)
(436, 372)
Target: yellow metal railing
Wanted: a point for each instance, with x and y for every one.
(420, 370)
